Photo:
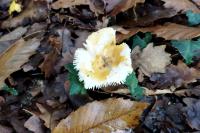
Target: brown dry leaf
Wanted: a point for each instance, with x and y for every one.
(5, 129)
(176, 75)
(69, 3)
(51, 58)
(103, 116)
(197, 2)
(153, 59)
(35, 11)
(15, 56)
(125, 5)
(169, 31)
(45, 116)
(151, 14)
(34, 124)
(181, 5)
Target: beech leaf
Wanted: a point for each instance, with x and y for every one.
(103, 116)
(168, 31)
(188, 49)
(14, 57)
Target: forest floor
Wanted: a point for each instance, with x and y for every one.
(99, 66)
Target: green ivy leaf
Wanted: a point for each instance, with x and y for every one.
(135, 89)
(188, 49)
(76, 86)
(11, 90)
(142, 42)
(193, 18)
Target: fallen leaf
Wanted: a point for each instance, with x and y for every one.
(151, 14)
(15, 34)
(188, 49)
(15, 56)
(169, 31)
(176, 75)
(7, 39)
(125, 5)
(102, 116)
(5, 129)
(46, 116)
(192, 112)
(35, 11)
(153, 59)
(197, 2)
(34, 124)
(14, 6)
(69, 3)
(18, 125)
(181, 5)
(51, 58)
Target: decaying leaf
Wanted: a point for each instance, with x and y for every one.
(51, 58)
(34, 124)
(169, 31)
(35, 11)
(102, 116)
(181, 5)
(192, 112)
(176, 75)
(16, 56)
(5, 129)
(15, 34)
(125, 5)
(69, 3)
(197, 2)
(7, 39)
(45, 116)
(153, 59)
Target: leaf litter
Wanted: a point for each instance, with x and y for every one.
(42, 91)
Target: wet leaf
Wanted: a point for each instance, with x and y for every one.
(135, 89)
(14, 57)
(192, 112)
(176, 75)
(34, 124)
(103, 116)
(193, 18)
(188, 49)
(181, 5)
(69, 3)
